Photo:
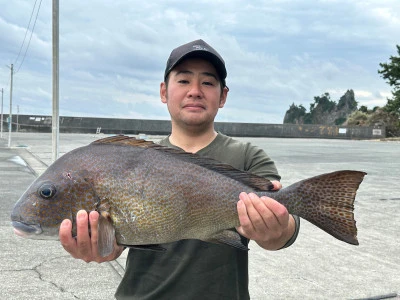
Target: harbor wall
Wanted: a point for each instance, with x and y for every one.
(39, 123)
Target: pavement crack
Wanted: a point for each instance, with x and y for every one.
(117, 268)
(41, 276)
(51, 282)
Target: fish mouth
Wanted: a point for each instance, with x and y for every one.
(24, 230)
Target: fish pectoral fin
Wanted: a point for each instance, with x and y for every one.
(106, 234)
(154, 247)
(230, 238)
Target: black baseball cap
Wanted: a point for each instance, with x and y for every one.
(198, 48)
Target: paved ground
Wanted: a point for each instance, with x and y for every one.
(317, 266)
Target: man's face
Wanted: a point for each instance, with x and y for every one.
(193, 95)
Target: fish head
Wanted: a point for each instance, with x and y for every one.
(50, 199)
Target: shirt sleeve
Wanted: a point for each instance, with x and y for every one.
(259, 163)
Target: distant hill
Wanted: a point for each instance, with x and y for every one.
(323, 111)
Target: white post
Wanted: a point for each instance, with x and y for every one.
(10, 115)
(55, 118)
(17, 118)
(1, 135)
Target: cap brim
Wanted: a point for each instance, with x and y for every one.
(212, 58)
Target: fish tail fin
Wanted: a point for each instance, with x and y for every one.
(327, 201)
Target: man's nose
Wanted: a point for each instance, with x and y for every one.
(195, 90)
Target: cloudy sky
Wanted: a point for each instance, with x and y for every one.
(113, 53)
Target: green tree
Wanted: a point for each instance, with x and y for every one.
(363, 109)
(324, 102)
(393, 105)
(294, 113)
(391, 73)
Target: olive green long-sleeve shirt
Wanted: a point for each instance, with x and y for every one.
(192, 269)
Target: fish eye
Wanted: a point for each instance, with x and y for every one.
(47, 190)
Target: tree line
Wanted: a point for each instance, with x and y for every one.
(346, 111)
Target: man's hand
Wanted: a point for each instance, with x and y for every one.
(85, 245)
(265, 220)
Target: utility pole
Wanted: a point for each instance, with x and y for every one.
(17, 118)
(1, 134)
(10, 115)
(55, 118)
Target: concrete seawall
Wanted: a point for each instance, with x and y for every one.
(38, 123)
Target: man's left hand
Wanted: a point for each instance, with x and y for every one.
(265, 221)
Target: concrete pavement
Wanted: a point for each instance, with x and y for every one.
(317, 266)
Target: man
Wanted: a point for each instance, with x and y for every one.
(194, 89)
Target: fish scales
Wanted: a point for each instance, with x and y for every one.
(147, 194)
(187, 215)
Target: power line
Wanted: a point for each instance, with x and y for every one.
(26, 32)
(30, 38)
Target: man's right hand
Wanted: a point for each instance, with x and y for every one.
(85, 245)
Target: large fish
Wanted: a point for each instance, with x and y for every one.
(148, 194)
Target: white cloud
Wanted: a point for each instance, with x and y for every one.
(112, 54)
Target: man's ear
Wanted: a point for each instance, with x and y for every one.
(163, 92)
(224, 95)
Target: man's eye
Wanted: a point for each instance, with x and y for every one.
(183, 81)
(208, 83)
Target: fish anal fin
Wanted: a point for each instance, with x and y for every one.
(153, 247)
(106, 234)
(230, 238)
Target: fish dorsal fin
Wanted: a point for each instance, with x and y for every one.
(125, 140)
(253, 181)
